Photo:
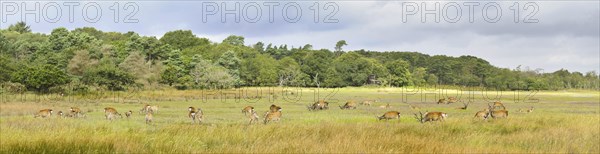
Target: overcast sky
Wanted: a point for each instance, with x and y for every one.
(555, 35)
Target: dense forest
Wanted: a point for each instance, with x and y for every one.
(87, 59)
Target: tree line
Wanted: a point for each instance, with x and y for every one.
(87, 59)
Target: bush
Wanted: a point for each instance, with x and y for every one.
(11, 87)
(41, 77)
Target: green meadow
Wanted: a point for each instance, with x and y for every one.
(561, 122)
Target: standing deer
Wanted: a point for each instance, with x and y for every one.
(76, 111)
(111, 113)
(144, 108)
(498, 104)
(128, 114)
(149, 117)
(274, 108)
(319, 105)
(247, 109)
(431, 116)
(349, 105)
(60, 114)
(496, 113)
(390, 115)
(43, 113)
(272, 116)
(253, 116)
(147, 108)
(195, 114)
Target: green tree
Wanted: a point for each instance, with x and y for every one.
(307, 47)
(181, 39)
(315, 62)
(259, 46)
(136, 66)
(91, 31)
(354, 69)
(234, 40)
(339, 45)
(400, 75)
(80, 63)
(432, 79)
(109, 76)
(289, 73)
(59, 39)
(207, 75)
(20, 27)
(175, 72)
(5, 44)
(259, 71)
(40, 77)
(231, 62)
(419, 76)
(8, 66)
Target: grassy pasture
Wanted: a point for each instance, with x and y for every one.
(562, 122)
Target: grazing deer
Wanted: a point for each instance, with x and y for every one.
(442, 101)
(349, 105)
(149, 117)
(319, 105)
(496, 113)
(111, 113)
(60, 114)
(465, 106)
(390, 115)
(153, 109)
(247, 110)
(431, 116)
(272, 116)
(482, 114)
(43, 113)
(147, 108)
(128, 114)
(76, 112)
(530, 110)
(144, 108)
(387, 106)
(452, 100)
(369, 102)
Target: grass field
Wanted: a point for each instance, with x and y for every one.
(562, 122)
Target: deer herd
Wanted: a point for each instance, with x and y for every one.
(494, 110)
